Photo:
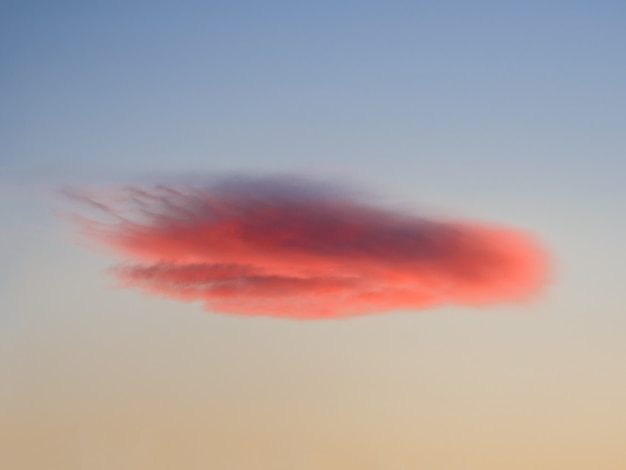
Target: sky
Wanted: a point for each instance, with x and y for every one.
(508, 113)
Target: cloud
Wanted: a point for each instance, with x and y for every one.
(295, 249)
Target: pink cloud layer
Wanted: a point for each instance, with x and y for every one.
(273, 249)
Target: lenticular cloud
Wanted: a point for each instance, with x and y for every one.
(292, 249)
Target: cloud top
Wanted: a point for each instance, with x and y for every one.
(291, 248)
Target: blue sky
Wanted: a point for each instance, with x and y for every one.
(128, 84)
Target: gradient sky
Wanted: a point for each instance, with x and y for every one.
(512, 112)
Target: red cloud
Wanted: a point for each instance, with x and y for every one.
(277, 248)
